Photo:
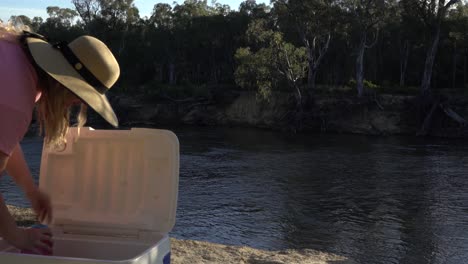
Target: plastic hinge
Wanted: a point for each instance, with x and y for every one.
(121, 233)
(98, 231)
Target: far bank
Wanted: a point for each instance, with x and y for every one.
(384, 114)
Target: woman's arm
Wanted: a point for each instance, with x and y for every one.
(30, 239)
(7, 223)
(18, 169)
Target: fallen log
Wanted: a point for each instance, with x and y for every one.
(452, 114)
(428, 119)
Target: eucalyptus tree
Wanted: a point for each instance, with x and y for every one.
(432, 13)
(254, 10)
(61, 16)
(160, 34)
(119, 16)
(222, 9)
(60, 25)
(162, 16)
(36, 23)
(313, 21)
(183, 13)
(117, 12)
(183, 16)
(88, 10)
(411, 34)
(458, 26)
(269, 62)
(365, 17)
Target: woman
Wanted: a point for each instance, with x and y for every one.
(50, 78)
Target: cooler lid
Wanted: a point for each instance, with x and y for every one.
(115, 179)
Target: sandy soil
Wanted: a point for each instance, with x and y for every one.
(200, 252)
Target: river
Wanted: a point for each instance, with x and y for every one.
(372, 199)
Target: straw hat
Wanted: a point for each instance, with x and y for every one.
(85, 66)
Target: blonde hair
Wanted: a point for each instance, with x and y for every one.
(12, 29)
(53, 113)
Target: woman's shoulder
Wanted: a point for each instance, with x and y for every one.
(19, 78)
(14, 124)
(10, 47)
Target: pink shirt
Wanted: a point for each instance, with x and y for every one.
(18, 94)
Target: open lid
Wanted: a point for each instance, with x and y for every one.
(114, 179)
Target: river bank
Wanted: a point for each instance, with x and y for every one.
(384, 114)
(199, 252)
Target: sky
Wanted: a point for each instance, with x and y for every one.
(32, 8)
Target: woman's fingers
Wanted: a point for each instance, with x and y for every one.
(45, 215)
(47, 232)
(37, 241)
(43, 247)
(40, 216)
(45, 242)
(48, 214)
(42, 205)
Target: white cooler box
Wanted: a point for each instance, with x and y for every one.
(114, 195)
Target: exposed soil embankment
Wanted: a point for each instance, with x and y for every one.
(375, 115)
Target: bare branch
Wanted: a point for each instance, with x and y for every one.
(322, 52)
(375, 40)
(451, 2)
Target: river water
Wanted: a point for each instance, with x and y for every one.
(372, 199)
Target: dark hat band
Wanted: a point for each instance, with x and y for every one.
(73, 61)
(80, 67)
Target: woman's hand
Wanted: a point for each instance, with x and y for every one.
(34, 240)
(41, 205)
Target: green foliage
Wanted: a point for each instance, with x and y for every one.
(197, 44)
(61, 16)
(118, 12)
(162, 16)
(367, 84)
(370, 85)
(273, 61)
(254, 71)
(387, 88)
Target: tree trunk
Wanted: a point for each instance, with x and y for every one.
(404, 54)
(214, 75)
(311, 80)
(452, 114)
(312, 70)
(171, 73)
(122, 40)
(360, 66)
(298, 96)
(299, 113)
(313, 59)
(161, 73)
(454, 65)
(464, 70)
(158, 70)
(430, 57)
(428, 119)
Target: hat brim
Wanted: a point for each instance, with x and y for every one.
(54, 63)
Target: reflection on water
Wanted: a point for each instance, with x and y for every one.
(375, 200)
